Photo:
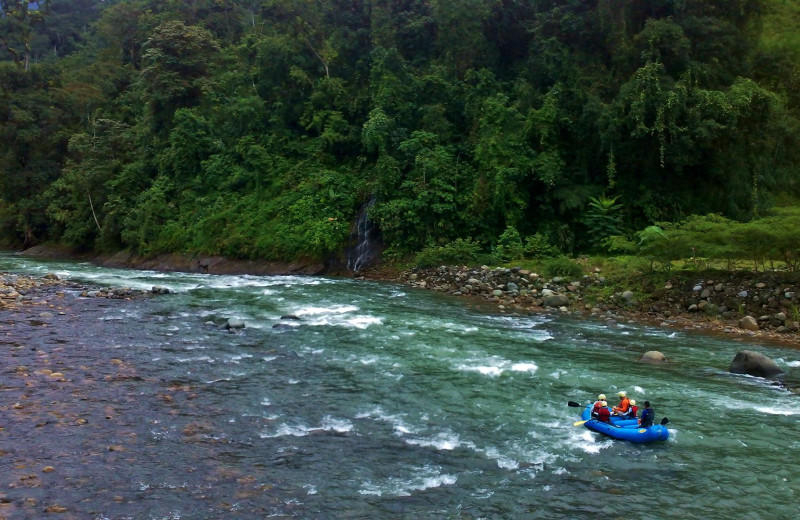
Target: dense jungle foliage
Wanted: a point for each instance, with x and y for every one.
(260, 128)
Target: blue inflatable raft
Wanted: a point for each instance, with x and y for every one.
(626, 429)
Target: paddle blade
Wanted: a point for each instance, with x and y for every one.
(578, 423)
(573, 404)
(664, 421)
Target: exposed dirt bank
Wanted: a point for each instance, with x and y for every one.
(184, 263)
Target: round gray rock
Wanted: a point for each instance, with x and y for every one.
(556, 300)
(234, 323)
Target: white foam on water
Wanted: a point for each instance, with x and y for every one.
(588, 441)
(265, 402)
(484, 370)
(204, 359)
(234, 359)
(327, 424)
(336, 316)
(503, 461)
(337, 425)
(793, 364)
(455, 327)
(639, 390)
(423, 478)
(399, 426)
(443, 441)
(316, 311)
(777, 411)
(495, 366)
(362, 322)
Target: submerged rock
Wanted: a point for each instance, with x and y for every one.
(754, 364)
(234, 323)
(653, 356)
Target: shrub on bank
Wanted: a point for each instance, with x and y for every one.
(458, 252)
(562, 266)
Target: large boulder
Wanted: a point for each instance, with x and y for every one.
(653, 356)
(556, 300)
(754, 364)
(748, 323)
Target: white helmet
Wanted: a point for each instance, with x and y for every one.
(601, 397)
(603, 403)
(622, 393)
(633, 402)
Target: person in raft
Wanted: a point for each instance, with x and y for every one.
(632, 411)
(603, 413)
(624, 404)
(598, 404)
(647, 416)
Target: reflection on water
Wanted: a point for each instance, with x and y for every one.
(378, 402)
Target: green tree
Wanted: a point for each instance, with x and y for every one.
(176, 63)
(17, 27)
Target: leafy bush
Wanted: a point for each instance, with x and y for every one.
(562, 266)
(604, 219)
(538, 246)
(713, 237)
(620, 245)
(509, 245)
(458, 252)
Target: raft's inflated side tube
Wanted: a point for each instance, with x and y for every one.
(625, 429)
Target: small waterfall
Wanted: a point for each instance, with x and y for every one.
(365, 239)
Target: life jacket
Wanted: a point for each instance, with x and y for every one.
(603, 415)
(632, 412)
(623, 405)
(597, 406)
(647, 417)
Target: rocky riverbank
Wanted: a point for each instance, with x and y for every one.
(18, 291)
(763, 305)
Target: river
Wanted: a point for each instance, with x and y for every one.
(380, 401)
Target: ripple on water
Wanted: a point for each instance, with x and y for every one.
(328, 424)
(494, 366)
(416, 479)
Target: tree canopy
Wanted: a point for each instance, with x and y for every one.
(260, 128)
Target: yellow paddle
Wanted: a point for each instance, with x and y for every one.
(578, 423)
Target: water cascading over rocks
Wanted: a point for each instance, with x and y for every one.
(365, 240)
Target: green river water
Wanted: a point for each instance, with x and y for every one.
(380, 401)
